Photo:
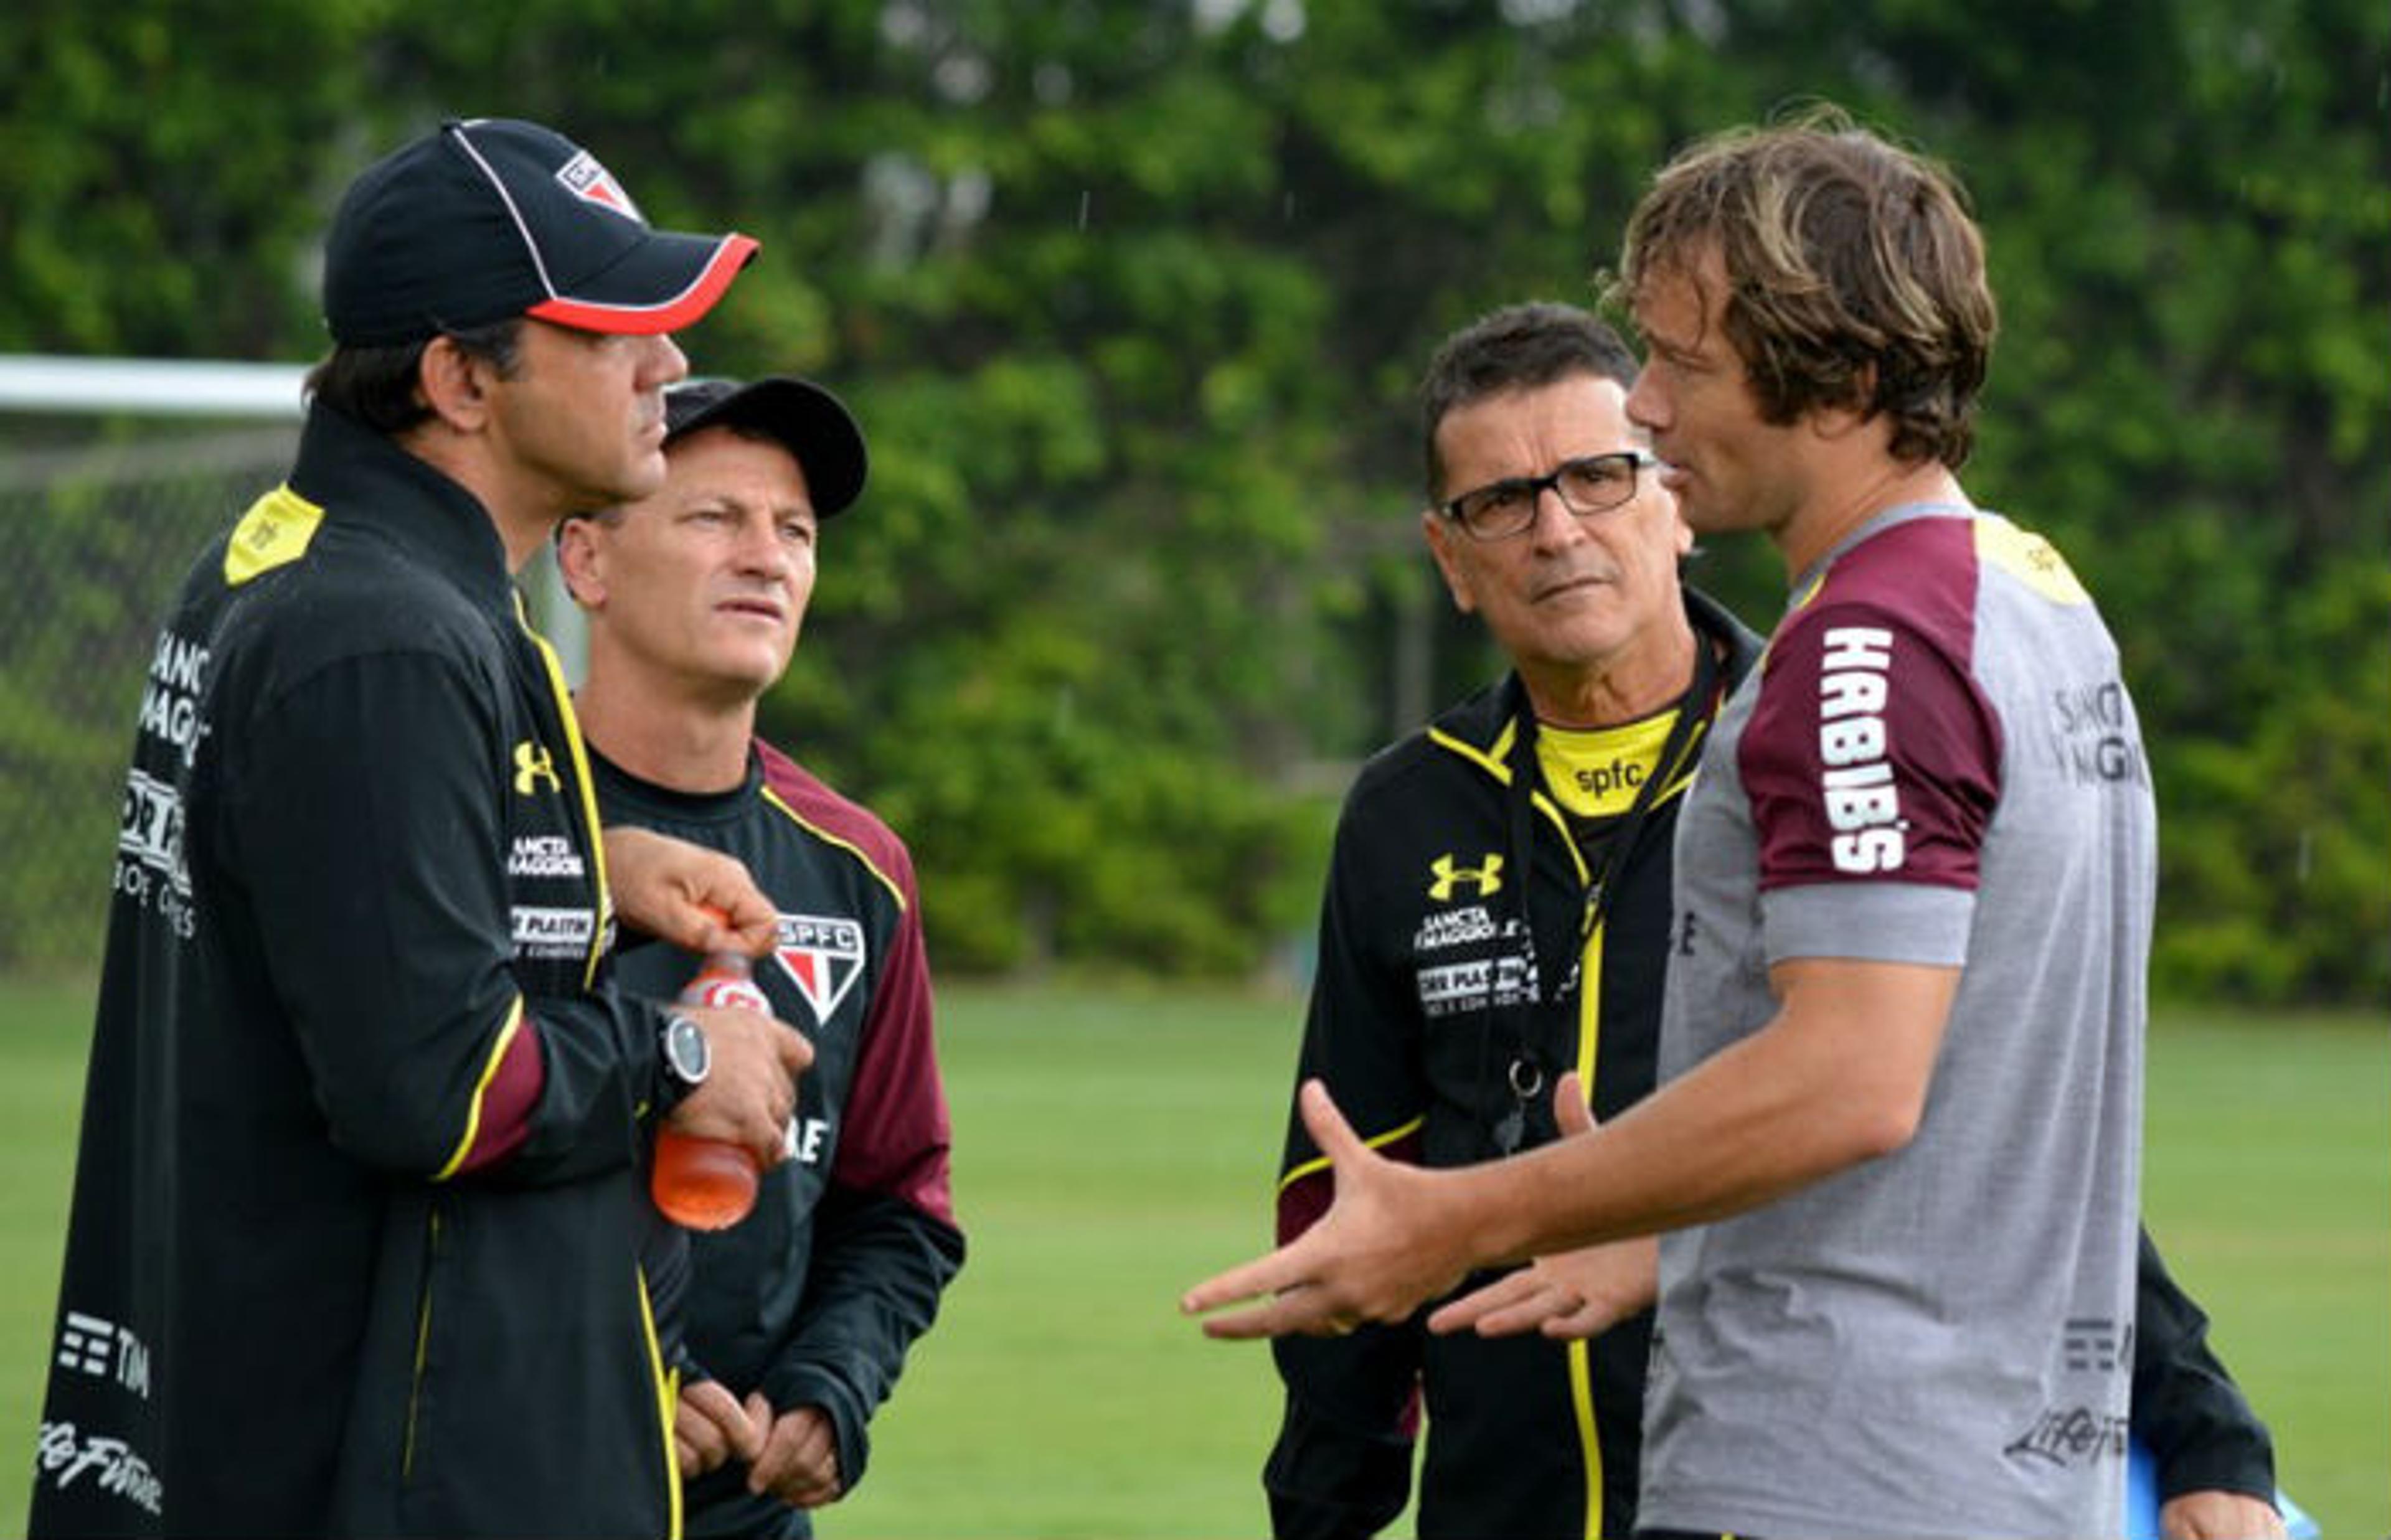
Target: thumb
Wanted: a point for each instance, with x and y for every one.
(719, 935)
(796, 1053)
(755, 929)
(1333, 1136)
(1570, 1109)
(738, 918)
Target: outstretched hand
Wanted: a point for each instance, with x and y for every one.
(1568, 1294)
(1387, 1243)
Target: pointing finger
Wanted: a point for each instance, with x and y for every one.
(1300, 1312)
(1260, 1278)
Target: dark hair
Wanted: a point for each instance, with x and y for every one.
(1854, 275)
(377, 384)
(1518, 347)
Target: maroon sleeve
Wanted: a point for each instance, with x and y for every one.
(1304, 1195)
(1871, 755)
(508, 1100)
(897, 1135)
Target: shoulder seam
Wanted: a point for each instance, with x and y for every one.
(862, 857)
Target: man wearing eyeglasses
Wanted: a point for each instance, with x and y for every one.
(1492, 949)
(1496, 919)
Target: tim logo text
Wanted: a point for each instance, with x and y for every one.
(105, 1350)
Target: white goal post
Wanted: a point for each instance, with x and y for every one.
(38, 383)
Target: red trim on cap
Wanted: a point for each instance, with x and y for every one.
(670, 315)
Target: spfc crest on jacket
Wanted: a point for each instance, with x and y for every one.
(822, 956)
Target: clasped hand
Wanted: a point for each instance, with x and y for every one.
(791, 1456)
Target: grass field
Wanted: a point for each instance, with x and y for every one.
(1114, 1147)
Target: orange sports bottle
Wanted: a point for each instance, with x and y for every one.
(709, 1184)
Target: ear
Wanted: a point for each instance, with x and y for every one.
(1441, 544)
(455, 385)
(579, 561)
(1835, 422)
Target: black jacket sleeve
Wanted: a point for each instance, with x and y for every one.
(885, 1242)
(2200, 1430)
(366, 816)
(1341, 1466)
(878, 1267)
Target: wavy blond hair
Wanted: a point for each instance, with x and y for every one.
(1854, 272)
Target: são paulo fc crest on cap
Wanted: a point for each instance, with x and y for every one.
(822, 956)
(591, 182)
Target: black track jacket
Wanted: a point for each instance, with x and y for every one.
(358, 876)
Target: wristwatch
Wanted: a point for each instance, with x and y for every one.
(686, 1058)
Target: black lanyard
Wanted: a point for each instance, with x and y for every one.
(1524, 1078)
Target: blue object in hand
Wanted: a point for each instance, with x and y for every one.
(2142, 1501)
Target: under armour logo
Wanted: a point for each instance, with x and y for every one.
(533, 766)
(1488, 878)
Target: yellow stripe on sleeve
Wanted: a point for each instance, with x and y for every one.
(482, 1088)
(1377, 1142)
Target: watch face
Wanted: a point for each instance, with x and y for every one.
(685, 1050)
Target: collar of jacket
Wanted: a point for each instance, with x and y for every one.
(1478, 728)
(364, 479)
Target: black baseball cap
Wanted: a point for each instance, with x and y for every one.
(487, 218)
(812, 423)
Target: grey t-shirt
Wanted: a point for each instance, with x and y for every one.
(1937, 762)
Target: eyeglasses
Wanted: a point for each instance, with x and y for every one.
(1594, 483)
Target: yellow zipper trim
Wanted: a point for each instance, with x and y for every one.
(1589, 1009)
(667, 1400)
(423, 1349)
(584, 785)
(1580, 1376)
(1580, 1362)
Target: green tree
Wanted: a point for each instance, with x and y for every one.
(1130, 295)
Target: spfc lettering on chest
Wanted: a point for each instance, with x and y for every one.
(822, 956)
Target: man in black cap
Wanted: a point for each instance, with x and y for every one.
(353, 1245)
(796, 1320)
